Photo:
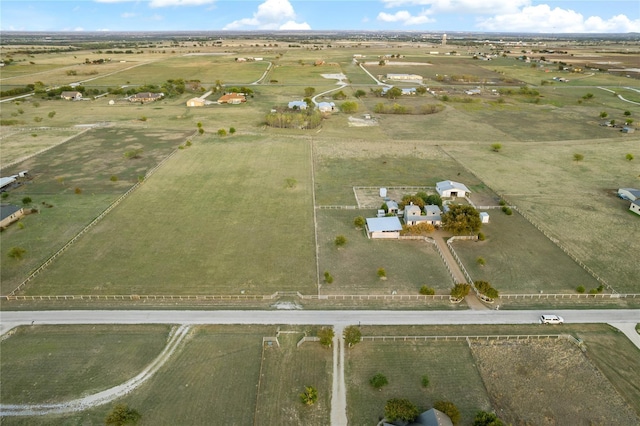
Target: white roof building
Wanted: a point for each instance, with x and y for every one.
(384, 227)
(449, 188)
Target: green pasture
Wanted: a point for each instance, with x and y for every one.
(520, 259)
(87, 164)
(18, 143)
(449, 366)
(408, 264)
(306, 75)
(574, 202)
(51, 364)
(228, 216)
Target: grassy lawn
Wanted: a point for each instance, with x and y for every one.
(408, 264)
(49, 364)
(219, 212)
(449, 366)
(86, 163)
(520, 259)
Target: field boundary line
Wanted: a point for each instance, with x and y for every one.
(468, 338)
(315, 216)
(91, 224)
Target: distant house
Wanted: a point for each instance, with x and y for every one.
(404, 77)
(392, 207)
(232, 98)
(472, 92)
(71, 95)
(433, 215)
(630, 194)
(635, 206)
(431, 417)
(297, 105)
(326, 106)
(384, 227)
(628, 129)
(413, 215)
(145, 97)
(7, 183)
(196, 102)
(449, 188)
(9, 214)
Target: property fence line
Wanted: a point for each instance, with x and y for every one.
(488, 337)
(307, 339)
(91, 225)
(413, 188)
(337, 207)
(247, 297)
(444, 260)
(270, 339)
(455, 256)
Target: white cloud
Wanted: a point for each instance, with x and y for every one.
(166, 3)
(543, 19)
(487, 7)
(78, 29)
(128, 15)
(405, 18)
(271, 15)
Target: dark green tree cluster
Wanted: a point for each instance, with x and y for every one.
(485, 288)
(294, 119)
(461, 219)
(122, 415)
(460, 290)
(400, 409)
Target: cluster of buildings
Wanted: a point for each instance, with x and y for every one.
(633, 195)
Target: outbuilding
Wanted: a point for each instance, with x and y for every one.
(449, 189)
(384, 227)
(484, 217)
(635, 206)
(630, 194)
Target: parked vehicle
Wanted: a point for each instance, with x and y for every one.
(551, 319)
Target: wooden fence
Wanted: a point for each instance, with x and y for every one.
(491, 337)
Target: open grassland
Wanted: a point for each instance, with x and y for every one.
(304, 75)
(514, 372)
(50, 364)
(520, 259)
(573, 201)
(92, 164)
(408, 264)
(228, 216)
(286, 370)
(19, 143)
(449, 366)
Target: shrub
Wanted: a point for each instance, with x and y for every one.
(629, 157)
(327, 277)
(340, 240)
(359, 222)
(400, 409)
(503, 203)
(481, 236)
(26, 200)
(487, 419)
(51, 114)
(382, 273)
(378, 381)
(427, 291)
(326, 336)
(16, 252)
(232, 130)
(425, 381)
(480, 261)
(507, 210)
(122, 415)
(113, 178)
(496, 147)
(460, 290)
(200, 131)
(78, 190)
(5, 195)
(580, 289)
(593, 291)
(221, 132)
(449, 409)
(188, 143)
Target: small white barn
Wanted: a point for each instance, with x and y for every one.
(326, 106)
(383, 192)
(484, 217)
(635, 206)
(630, 194)
(297, 105)
(392, 207)
(384, 227)
(449, 188)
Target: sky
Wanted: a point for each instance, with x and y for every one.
(519, 16)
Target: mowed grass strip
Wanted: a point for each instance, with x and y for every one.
(448, 365)
(49, 364)
(520, 259)
(286, 370)
(408, 264)
(218, 218)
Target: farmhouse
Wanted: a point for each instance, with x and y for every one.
(326, 106)
(630, 194)
(232, 98)
(384, 227)
(7, 183)
(9, 214)
(146, 97)
(404, 77)
(449, 188)
(433, 215)
(297, 105)
(392, 207)
(196, 102)
(635, 206)
(71, 95)
(413, 215)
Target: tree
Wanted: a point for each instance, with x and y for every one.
(327, 277)
(121, 415)
(340, 240)
(360, 93)
(309, 92)
(352, 335)
(221, 132)
(496, 147)
(201, 131)
(309, 396)
(484, 418)
(232, 130)
(427, 291)
(394, 93)
(349, 107)
(378, 381)
(460, 290)
(578, 157)
(326, 336)
(400, 409)
(425, 381)
(382, 273)
(629, 157)
(604, 114)
(51, 114)
(339, 95)
(627, 113)
(134, 153)
(449, 409)
(359, 222)
(408, 199)
(461, 219)
(26, 200)
(434, 200)
(16, 252)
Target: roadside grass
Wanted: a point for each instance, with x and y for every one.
(49, 364)
(220, 215)
(408, 264)
(449, 366)
(574, 202)
(86, 162)
(286, 370)
(520, 259)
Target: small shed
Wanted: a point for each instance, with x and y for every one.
(383, 192)
(484, 217)
(630, 194)
(635, 206)
(384, 227)
(196, 102)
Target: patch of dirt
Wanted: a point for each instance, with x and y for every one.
(548, 382)
(362, 122)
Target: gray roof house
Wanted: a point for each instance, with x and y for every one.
(630, 194)
(326, 106)
(431, 417)
(384, 227)
(433, 214)
(9, 214)
(392, 206)
(297, 105)
(71, 95)
(449, 188)
(413, 215)
(635, 206)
